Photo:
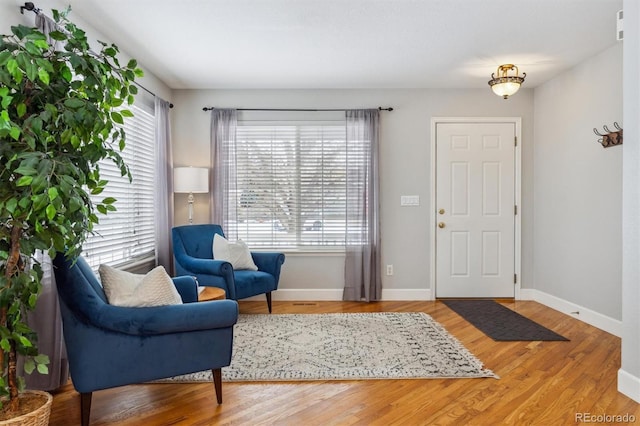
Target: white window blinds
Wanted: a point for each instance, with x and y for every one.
(128, 233)
(291, 186)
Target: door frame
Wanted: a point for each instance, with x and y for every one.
(517, 122)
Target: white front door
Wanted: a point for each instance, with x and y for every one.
(475, 209)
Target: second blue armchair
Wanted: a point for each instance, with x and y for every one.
(193, 255)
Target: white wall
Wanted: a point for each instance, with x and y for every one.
(629, 374)
(404, 169)
(577, 201)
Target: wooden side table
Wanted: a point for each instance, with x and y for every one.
(210, 293)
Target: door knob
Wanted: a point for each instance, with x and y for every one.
(441, 211)
(441, 225)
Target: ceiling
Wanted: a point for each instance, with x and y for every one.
(340, 44)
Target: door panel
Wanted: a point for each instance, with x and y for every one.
(475, 199)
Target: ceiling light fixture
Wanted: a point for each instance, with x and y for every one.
(504, 84)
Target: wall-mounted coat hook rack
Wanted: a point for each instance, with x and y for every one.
(609, 138)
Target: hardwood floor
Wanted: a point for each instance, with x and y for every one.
(541, 383)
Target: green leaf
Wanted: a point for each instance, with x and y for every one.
(53, 193)
(21, 109)
(43, 75)
(4, 57)
(24, 181)
(15, 133)
(29, 366)
(32, 48)
(12, 66)
(66, 73)
(6, 101)
(126, 113)
(23, 341)
(117, 117)
(41, 44)
(51, 211)
(41, 359)
(5, 345)
(11, 205)
(26, 170)
(74, 103)
(21, 31)
(57, 35)
(31, 70)
(43, 369)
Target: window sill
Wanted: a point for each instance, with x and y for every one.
(305, 253)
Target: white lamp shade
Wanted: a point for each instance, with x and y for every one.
(190, 180)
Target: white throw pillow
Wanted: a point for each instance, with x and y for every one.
(237, 253)
(123, 288)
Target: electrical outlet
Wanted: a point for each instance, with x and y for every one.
(389, 269)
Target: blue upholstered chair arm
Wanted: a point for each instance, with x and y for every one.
(205, 266)
(187, 287)
(166, 319)
(268, 262)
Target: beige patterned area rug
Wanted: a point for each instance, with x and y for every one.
(384, 345)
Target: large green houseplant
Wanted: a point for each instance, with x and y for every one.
(61, 111)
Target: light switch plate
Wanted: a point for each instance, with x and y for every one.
(410, 200)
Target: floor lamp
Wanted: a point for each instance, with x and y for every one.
(190, 180)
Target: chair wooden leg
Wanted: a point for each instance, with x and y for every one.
(269, 301)
(85, 408)
(217, 383)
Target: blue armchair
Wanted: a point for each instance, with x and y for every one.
(193, 254)
(110, 346)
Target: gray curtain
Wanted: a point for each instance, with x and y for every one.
(223, 161)
(163, 198)
(45, 319)
(362, 253)
(47, 25)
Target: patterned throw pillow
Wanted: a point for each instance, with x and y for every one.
(237, 253)
(123, 288)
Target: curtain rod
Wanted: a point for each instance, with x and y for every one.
(290, 109)
(31, 7)
(149, 92)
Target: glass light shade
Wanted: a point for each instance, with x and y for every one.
(505, 89)
(191, 180)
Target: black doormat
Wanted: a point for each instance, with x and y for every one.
(499, 322)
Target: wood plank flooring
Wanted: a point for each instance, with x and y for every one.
(541, 383)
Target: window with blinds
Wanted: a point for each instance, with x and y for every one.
(127, 234)
(290, 186)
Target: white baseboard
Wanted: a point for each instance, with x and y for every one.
(603, 322)
(292, 294)
(406, 294)
(629, 385)
(299, 294)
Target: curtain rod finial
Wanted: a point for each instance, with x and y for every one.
(29, 6)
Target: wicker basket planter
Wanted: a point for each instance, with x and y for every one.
(38, 417)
